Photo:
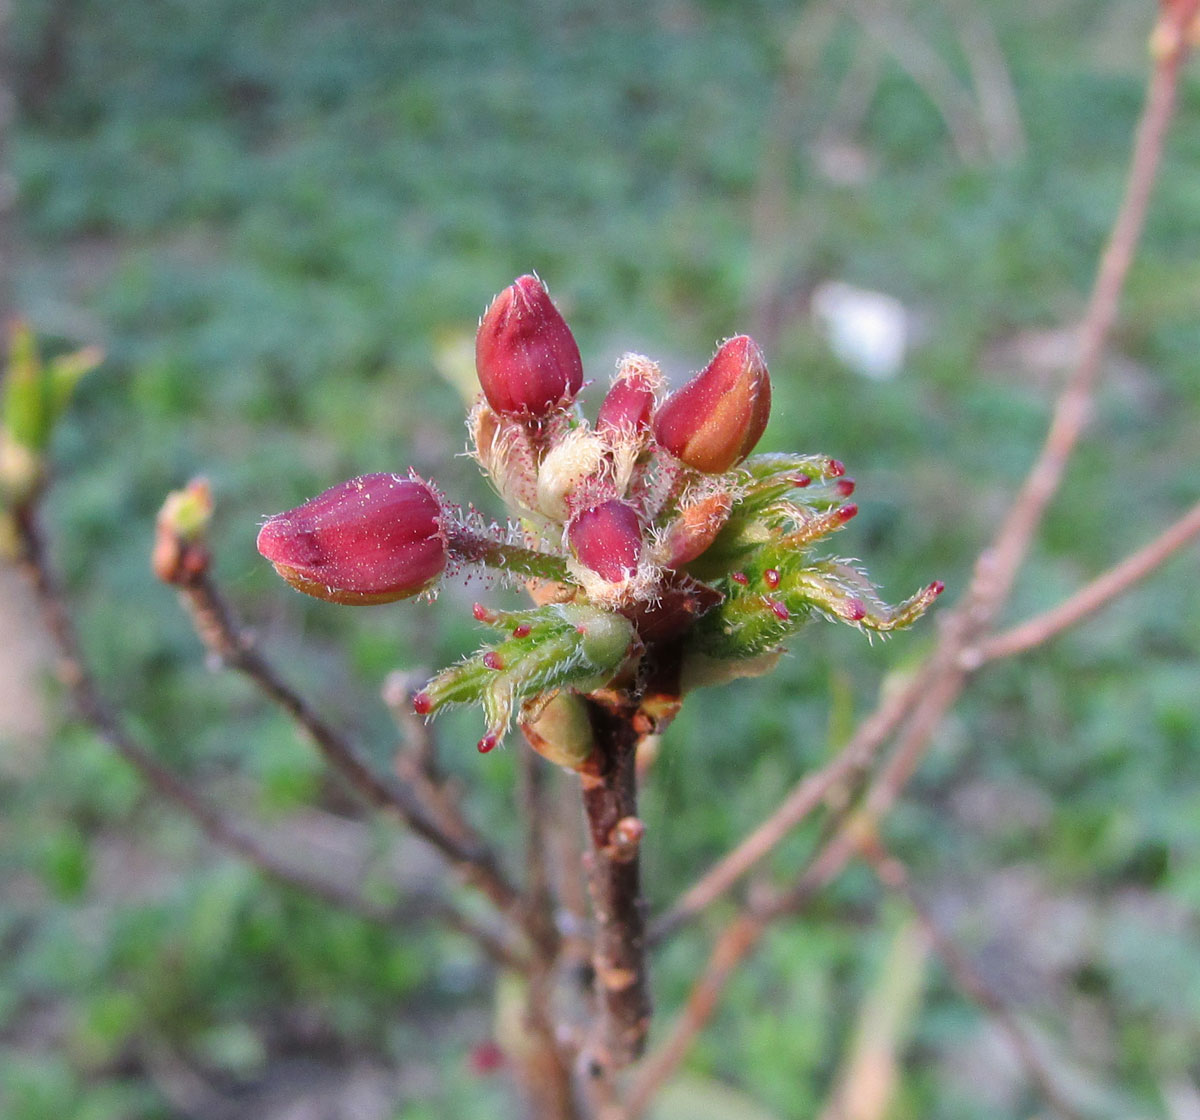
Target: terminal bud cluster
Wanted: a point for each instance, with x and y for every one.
(657, 550)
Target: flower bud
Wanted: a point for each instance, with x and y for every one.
(607, 539)
(525, 355)
(180, 553)
(695, 529)
(372, 539)
(630, 402)
(714, 421)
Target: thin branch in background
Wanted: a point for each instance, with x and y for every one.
(894, 875)
(805, 796)
(534, 810)
(869, 1074)
(1090, 598)
(999, 564)
(733, 945)
(928, 72)
(215, 624)
(999, 111)
(854, 96)
(416, 761)
(1016, 532)
(76, 676)
(940, 680)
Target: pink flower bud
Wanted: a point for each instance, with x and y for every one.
(696, 527)
(714, 421)
(608, 539)
(630, 402)
(373, 539)
(525, 355)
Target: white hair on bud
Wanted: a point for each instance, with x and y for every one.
(579, 455)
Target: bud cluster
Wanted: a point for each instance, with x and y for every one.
(649, 538)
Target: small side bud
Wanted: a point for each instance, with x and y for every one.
(630, 402)
(525, 354)
(694, 530)
(607, 539)
(714, 421)
(625, 839)
(372, 539)
(561, 731)
(180, 551)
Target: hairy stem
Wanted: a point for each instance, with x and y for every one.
(478, 548)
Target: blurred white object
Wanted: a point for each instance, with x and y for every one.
(868, 331)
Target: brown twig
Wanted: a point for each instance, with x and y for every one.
(609, 787)
(76, 676)
(940, 680)
(538, 901)
(1089, 598)
(216, 626)
(416, 762)
(894, 875)
(805, 796)
(998, 566)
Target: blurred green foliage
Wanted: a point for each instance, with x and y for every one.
(274, 217)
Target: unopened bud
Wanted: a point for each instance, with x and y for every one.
(714, 421)
(607, 539)
(561, 731)
(372, 539)
(696, 527)
(180, 534)
(630, 402)
(525, 354)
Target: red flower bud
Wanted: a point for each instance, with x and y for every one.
(373, 539)
(608, 539)
(630, 402)
(714, 421)
(525, 355)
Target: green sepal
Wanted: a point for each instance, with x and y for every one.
(557, 646)
(782, 590)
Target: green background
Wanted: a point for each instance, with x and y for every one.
(281, 219)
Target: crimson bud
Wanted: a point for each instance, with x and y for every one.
(630, 402)
(608, 539)
(372, 539)
(525, 354)
(714, 421)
